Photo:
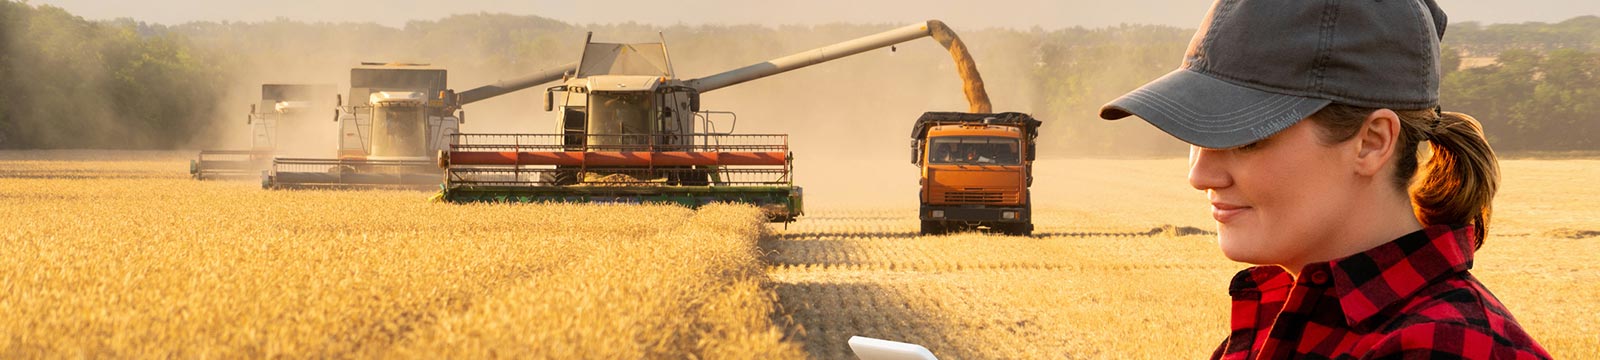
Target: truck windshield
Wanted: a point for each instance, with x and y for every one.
(979, 150)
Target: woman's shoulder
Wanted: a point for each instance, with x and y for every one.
(1454, 318)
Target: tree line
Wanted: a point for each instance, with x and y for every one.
(72, 83)
(75, 83)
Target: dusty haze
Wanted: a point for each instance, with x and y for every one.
(848, 120)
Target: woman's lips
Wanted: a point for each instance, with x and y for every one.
(1225, 212)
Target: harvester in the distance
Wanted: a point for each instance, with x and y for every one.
(397, 117)
(631, 131)
(284, 108)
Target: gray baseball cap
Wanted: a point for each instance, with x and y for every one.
(1256, 67)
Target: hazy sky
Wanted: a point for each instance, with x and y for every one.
(970, 14)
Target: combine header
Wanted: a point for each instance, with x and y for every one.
(283, 108)
(631, 131)
(689, 170)
(398, 117)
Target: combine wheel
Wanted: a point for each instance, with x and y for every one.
(559, 177)
(695, 177)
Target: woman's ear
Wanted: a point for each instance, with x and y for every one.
(1376, 141)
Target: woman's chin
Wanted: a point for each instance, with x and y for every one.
(1240, 246)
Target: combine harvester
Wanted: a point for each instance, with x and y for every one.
(631, 131)
(399, 116)
(284, 108)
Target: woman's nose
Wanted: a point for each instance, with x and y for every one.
(1206, 170)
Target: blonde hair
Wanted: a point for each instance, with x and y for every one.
(1458, 183)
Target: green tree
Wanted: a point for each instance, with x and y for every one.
(118, 84)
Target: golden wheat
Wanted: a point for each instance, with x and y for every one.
(133, 260)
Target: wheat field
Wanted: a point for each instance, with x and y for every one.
(120, 255)
(131, 259)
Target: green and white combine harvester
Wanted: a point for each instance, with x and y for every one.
(631, 131)
(397, 118)
(284, 108)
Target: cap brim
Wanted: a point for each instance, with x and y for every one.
(1209, 112)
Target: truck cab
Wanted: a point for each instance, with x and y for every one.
(976, 171)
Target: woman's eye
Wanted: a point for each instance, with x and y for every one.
(1250, 146)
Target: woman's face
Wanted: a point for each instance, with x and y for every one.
(1277, 199)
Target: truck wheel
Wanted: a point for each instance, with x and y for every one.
(1014, 229)
(932, 227)
(1021, 229)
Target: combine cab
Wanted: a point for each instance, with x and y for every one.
(283, 108)
(398, 117)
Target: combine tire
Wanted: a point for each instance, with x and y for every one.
(690, 178)
(559, 177)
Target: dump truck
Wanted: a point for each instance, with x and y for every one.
(284, 108)
(629, 130)
(397, 117)
(976, 171)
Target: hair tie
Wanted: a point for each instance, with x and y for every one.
(1435, 127)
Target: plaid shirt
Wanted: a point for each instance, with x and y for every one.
(1409, 299)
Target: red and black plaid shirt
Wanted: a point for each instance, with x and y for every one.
(1409, 299)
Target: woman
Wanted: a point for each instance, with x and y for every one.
(1306, 119)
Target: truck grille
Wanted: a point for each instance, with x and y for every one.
(979, 197)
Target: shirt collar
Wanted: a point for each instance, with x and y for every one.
(1257, 280)
(1372, 281)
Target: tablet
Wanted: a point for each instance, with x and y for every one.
(876, 349)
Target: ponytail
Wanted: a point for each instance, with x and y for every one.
(1458, 183)
(1456, 186)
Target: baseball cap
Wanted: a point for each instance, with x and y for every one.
(1256, 67)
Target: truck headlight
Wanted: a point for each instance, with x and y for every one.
(1008, 215)
(937, 214)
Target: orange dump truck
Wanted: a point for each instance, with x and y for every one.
(976, 170)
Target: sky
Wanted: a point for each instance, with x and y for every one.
(1017, 14)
